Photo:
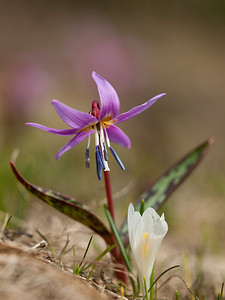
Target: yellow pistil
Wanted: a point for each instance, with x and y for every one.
(146, 236)
(122, 292)
(146, 244)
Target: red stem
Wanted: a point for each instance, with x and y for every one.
(116, 251)
(109, 194)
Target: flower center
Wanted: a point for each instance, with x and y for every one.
(101, 140)
(95, 110)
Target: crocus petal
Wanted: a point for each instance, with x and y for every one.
(156, 223)
(133, 220)
(137, 109)
(73, 142)
(146, 233)
(53, 130)
(74, 118)
(116, 135)
(110, 103)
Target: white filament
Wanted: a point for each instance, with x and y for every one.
(107, 138)
(96, 136)
(102, 141)
(89, 140)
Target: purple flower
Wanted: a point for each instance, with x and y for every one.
(100, 121)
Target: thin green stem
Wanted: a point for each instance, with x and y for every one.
(146, 289)
(151, 284)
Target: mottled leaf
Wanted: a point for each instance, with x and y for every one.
(67, 205)
(158, 192)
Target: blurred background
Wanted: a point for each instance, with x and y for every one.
(48, 51)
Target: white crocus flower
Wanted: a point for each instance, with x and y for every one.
(146, 233)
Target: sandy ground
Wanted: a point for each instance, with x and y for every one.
(28, 273)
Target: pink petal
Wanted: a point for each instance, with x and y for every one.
(53, 130)
(137, 110)
(110, 103)
(74, 118)
(116, 135)
(73, 142)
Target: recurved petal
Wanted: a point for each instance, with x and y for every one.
(110, 103)
(74, 118)
(116, 135)
(137, 109)
(73, 142)
(53, 130)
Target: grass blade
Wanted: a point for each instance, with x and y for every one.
(177, 296)
(164, 272)
(86, 250)
(5, 224)
(98, 258)
(220, 295)
(47, 241)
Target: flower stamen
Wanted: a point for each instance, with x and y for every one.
(117, 158)
(102, 140)
(87, 158)
(96, 136)
(89, 140)
(146, 242)
(87, 153)
(98, 166)
(106, 136)
(99, 158)
(103, 147)
(105, 153)
(146, 236)
(113, 151)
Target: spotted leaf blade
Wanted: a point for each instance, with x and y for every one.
(67, 205)
(158, 192)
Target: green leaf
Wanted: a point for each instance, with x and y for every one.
(118, 239)
(67, 205)
(158, 193)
